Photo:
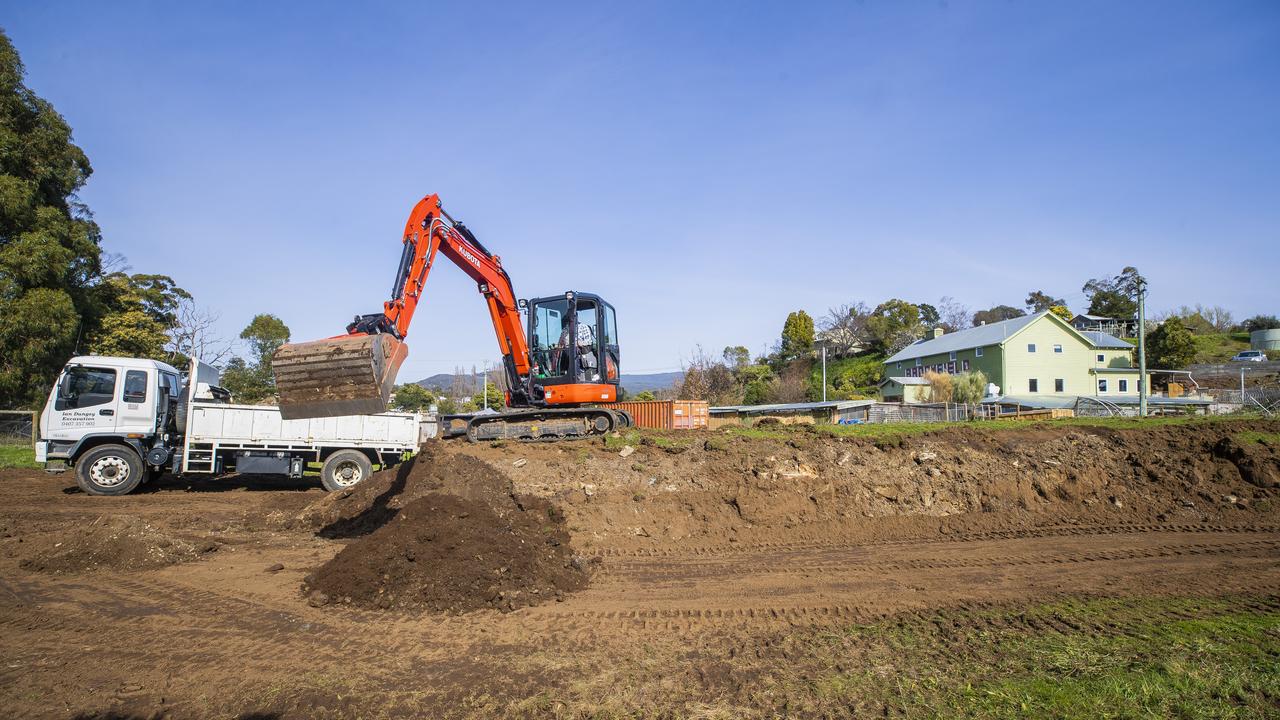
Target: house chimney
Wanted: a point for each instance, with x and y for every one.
(938, 332)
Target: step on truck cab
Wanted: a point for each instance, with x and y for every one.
(120, 422)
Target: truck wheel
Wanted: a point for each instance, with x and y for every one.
(344, 469)
(109, 470)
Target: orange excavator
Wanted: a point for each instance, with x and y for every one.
(554, 379)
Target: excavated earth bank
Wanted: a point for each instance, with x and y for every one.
(467, 526)
(442, 532)
(792, 484)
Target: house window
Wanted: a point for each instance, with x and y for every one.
(977, 352)
(1031, 347)
(1057, 348)
(1033, 385)
(1102, 385)
(966, 365)
(899, 365)
(1102, 358)
(1124, 386)
(952, 356)
(919, 362)
(1057, 385)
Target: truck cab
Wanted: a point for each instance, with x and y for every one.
(108, 400)
(121, 422)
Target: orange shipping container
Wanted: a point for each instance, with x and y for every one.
(667, 414)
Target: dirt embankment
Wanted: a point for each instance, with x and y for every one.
(443, 532)
(718, 487)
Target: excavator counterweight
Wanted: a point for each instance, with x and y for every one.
(347, 375)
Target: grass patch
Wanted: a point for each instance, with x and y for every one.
(1255, 436)
(630, 437)
(1219, 347)
(1102, 659)
(17, 456)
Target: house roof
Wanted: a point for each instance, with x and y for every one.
(906, 380)
(995, 334)
(979, 336)
(1103, 341)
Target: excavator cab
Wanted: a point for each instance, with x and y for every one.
(573, 349)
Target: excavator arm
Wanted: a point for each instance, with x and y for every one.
(355, 373)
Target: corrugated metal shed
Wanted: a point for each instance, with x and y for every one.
(790, 407)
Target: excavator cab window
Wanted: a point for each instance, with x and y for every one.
(609, 345)
(587, 342)
(549, 340)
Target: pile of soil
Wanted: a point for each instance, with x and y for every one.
(115, 543)
(804, 484)
(442, 532)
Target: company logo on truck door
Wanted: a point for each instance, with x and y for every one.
(469, 256)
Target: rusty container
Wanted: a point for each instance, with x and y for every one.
(667, 414)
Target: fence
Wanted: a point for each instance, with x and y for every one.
(18, 427)
(910, 412)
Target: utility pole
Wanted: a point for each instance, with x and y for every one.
(1142, 347)
(484, 397)
(824, 372)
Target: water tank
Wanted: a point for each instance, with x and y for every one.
(1265, 339)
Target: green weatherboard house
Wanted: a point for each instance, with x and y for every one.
(1034, 356)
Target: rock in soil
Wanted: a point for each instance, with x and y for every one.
(443, 532)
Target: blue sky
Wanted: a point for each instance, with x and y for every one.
(706, 166)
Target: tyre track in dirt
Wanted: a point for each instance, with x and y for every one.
(722, 549)
(696, 594)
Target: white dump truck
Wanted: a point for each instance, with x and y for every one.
(120, 422)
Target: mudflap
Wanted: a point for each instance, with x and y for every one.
(349, 375)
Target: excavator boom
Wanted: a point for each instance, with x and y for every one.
(355, 373)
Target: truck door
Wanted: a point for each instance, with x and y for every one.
(138, 401)
(86, 401)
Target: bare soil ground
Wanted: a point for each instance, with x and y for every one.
(783, 573)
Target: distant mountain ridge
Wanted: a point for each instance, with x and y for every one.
(632, 383)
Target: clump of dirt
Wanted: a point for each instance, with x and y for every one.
(109, 543)
(444, 532)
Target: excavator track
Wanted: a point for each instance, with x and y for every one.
(546, 425)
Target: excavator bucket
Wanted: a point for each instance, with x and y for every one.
(351, 375)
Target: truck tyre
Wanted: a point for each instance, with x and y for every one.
(344, 469)
(109, 470)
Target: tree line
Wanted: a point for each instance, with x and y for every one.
(858, 337)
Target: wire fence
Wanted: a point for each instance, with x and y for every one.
(18, 427)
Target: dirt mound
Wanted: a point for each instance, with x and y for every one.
(444, 532)
(812, 485)
(115, 543)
